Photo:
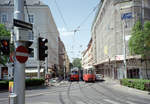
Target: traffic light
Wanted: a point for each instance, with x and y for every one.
(42, 48)
(4, 46)
(30, 50)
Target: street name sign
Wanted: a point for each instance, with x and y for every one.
(22, 24)
(22, 54)
(126, 15)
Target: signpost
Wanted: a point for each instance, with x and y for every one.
(124, 17)
(23, 24)
(22, 54)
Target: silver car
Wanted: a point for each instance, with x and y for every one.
(99, 77)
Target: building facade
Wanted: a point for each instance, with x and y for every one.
(39, 14)
(111, 31)
(87, 56)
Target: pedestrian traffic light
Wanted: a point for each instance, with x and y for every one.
(42, 48)
(4, 46)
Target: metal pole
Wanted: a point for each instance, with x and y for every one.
(38, 69)
(64, 70)
(19, 73)
(124, 49)
(38, 66)
(46, 65)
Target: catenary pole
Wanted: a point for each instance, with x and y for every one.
(19, 73)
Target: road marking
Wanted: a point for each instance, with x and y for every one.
(3, 99)
(42, 103)
(111, 101)
(80, 102)
(129, 102)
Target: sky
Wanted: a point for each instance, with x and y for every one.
(70, 15)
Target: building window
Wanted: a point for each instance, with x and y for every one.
(4, 18)
(31, 18)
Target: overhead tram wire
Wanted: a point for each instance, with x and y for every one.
(93, 10)
(57, 6)
(78, 27)
(28, 13)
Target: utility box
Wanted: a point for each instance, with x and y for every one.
(12, 98)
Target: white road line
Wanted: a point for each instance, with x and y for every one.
(111, 101)
(3, 99)
(79, 102)
(129, 102)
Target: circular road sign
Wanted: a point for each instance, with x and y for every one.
(22, 54)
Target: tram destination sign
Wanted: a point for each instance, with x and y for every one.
(22, 24)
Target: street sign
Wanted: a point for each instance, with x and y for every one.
(22, 24)
(126, 15)
(11, 85)
(22, 54)
(24, 35)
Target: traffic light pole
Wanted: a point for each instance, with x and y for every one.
(46, 65)
(38, 69)
(19, 72)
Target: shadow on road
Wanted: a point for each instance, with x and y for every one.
(100, 80)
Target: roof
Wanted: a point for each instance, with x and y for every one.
(29, 2)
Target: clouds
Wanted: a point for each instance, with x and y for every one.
(63, 32)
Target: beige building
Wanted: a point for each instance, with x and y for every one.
(43, 26)
(111, 32)
(87, 56)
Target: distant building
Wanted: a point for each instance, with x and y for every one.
(108, 42)
(87, 56)
(43, 26)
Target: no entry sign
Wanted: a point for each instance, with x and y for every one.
(22, 54)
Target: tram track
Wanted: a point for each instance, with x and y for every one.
(107, 96)
(89, 99)
(120, 97)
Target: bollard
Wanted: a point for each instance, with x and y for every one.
(12, 98)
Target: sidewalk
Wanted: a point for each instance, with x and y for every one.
(115, 84)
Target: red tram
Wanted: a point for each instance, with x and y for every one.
(89, 75)
(74, 75)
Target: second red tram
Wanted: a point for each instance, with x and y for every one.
(89, 75)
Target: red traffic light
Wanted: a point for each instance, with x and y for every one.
(4, 43)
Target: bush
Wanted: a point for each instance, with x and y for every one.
(34, 82)
(4, 85)
(140, 84)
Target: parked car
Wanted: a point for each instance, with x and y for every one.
(99, 77)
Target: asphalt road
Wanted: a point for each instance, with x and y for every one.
(83, 93)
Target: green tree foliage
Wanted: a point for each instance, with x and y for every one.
(77, 62)
(3, 33)
(139, 42)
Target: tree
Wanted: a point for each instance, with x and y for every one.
(139, 42)
(77, 62)
(3, 33)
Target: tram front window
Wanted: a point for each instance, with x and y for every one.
(90, 71)
(74, 72)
